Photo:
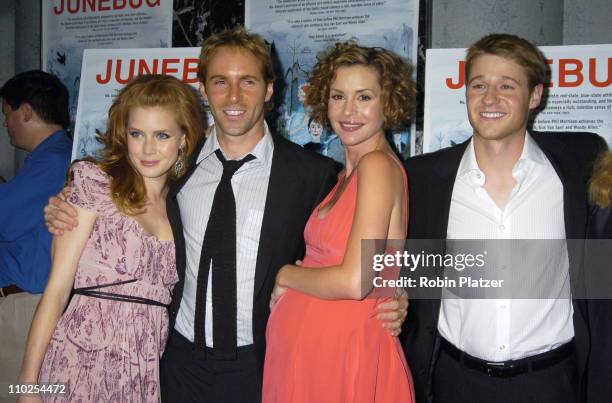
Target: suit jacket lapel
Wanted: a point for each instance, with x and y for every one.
(439, 195)
(174, 216)
(574, 196)
(440, 191)
(575, 207)
(276, 211)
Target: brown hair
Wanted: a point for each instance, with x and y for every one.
(512, 47)
(238, 38)
(127, 186)
(398, 89)
(600, 187)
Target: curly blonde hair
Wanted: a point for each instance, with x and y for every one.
(127, 186)
(600, 187)
(398, 89)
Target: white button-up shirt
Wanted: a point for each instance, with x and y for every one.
(507, 329)
(250, 186)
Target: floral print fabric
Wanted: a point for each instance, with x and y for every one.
(106, 350)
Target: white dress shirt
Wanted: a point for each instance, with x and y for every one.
(506, 329)
(250, 186)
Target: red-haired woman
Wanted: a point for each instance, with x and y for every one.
(119, 261)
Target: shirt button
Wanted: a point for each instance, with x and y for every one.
(478, 176)
(502, 227)
(502, 347)
(502, 307)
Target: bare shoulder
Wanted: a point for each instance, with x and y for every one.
(379, 166)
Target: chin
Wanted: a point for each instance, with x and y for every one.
(155, 172)
(155, 175)
(492, 136)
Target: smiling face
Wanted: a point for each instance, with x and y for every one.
(355, 108)
(315, 129)
(153, 141)
(236, 92)
(499, 98)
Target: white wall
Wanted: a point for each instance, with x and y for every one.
(459, 23)
(587, 22)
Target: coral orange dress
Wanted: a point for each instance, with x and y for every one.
(332, 351)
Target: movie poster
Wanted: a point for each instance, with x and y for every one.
(70, 26)
(579, 95)
(106, 71)
(195, 20)
(299, 29)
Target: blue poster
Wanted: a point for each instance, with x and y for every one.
(69, 27)
(299, 29)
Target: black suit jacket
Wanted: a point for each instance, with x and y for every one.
(299, 180)
(432, 177)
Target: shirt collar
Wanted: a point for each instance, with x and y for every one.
(262, 151)
(48, 142)
(469, 169)
(469, 165)
(532, 152)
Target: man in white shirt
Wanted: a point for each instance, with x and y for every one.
(504, 183)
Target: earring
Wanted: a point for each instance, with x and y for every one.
(179, 167)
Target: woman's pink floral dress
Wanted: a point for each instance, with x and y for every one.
(106, 350)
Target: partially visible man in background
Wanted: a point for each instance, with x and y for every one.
(35, 109)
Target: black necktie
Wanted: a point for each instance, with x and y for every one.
(219, 247)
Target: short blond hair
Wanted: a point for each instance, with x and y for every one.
(512, 47)
(237, 38)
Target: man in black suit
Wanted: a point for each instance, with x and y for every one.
(503, 183)
(274, 193)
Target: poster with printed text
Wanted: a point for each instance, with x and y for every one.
(106, 71)
(578, 97)
(70, 26)
(300, 29)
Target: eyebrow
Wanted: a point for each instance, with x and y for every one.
(358, 91)
(503, 78)
(245, 77)
(155, 131)
(216, 76)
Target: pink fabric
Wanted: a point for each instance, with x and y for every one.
(106, 350)
(332, 351)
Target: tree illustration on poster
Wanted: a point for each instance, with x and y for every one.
(300, 29)
(194, 20)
